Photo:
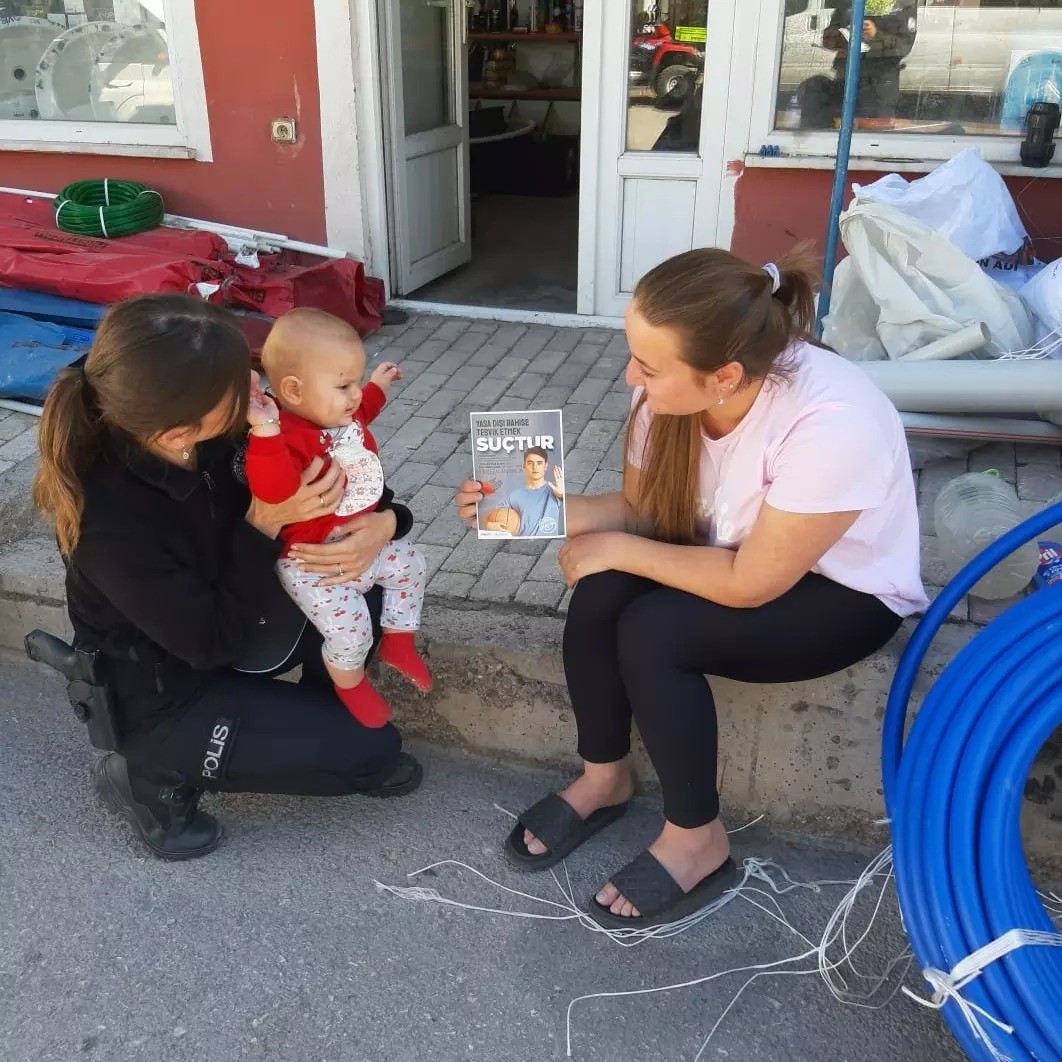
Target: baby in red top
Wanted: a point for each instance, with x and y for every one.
(315, 364)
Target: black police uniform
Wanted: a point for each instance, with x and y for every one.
(175, 589)
(879, 70)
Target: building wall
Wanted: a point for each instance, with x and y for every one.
(259, 63)
(777, 207)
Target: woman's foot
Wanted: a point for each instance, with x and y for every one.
(689, 856)
(601, 785)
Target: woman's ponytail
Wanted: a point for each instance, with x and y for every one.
(798, 276)
(69, 441)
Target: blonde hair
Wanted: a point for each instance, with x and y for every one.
(726, 311)
(297, 333)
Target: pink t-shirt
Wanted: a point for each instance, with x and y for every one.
(822, 440)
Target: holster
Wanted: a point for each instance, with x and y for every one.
(87, 689)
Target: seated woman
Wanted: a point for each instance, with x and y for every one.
(767, 532)
(170, 578)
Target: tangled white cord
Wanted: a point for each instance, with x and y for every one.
(762, 882)
(1043, 348)
(948, 986)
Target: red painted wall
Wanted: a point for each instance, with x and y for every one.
(776, 208)
(259, 63)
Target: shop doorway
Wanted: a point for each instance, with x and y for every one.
(484, 129)
(529, 171)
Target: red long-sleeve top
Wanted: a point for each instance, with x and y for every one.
(275, 463)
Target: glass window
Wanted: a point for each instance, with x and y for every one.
(951, 67)
(85, 61)
(426, 91)
(666, 75)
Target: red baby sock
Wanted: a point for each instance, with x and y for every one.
(398, 650)
(365, 704)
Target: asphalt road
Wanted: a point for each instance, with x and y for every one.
(279, 947)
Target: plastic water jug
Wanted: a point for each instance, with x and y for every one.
(970, 513)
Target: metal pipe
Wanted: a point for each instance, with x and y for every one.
(844, 152)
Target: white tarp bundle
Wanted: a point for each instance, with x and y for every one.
(905, 286)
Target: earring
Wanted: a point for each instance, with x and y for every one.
(185, 455)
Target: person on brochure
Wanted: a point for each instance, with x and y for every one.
(534, 510)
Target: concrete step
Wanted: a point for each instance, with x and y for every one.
(806, 754)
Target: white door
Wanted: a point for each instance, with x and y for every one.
(660, 166)
(425, 68)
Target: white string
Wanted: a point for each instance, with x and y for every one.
(1052, 904)
(759, 818)
(948, 986)
(103, 224)
(1041, 349)
(107, 190)
(763, 881)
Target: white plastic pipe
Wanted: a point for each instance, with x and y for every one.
(235, 236)
(25, 407)
(968, 386)
(995, 429)
(965, 341)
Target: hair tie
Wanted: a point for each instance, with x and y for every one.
(776, 277)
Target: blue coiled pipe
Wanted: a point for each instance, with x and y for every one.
(954, 795)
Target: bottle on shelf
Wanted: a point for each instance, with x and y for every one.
(970, 513)
(514, 15)
(577, 16)
(792, 116)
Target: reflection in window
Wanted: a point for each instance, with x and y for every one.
(666, 74)
(85, 61)
(952, 67)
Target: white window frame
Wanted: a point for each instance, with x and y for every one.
(815, 149)
(189, 138)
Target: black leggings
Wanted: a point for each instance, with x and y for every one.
(283, 737)
(634, 647)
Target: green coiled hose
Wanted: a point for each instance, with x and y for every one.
(108, 208)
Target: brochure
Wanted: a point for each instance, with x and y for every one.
(518, 457)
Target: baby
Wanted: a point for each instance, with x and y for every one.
(315, 363)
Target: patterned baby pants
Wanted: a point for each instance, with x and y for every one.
(340, 612)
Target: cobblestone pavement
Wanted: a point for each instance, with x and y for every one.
(456, 366)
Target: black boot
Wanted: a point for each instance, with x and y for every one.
(165, 818)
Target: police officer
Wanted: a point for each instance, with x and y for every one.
(170, 581)
(888, 37)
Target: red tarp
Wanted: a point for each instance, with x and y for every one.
(36, 256)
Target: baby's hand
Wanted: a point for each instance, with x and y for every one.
(386, 374)
(261, 409)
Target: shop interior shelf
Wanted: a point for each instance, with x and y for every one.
(479, 92)
(526, 38)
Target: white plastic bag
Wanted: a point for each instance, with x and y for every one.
(904, 286)
(1043, 296)
(964, 200)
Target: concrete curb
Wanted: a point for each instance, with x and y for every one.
(806, 754)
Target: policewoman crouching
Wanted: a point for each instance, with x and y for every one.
(179, 621)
